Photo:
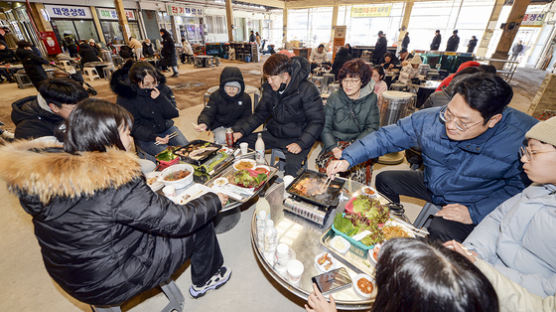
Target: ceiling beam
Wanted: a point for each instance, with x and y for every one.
(302, 4)
(269, 3)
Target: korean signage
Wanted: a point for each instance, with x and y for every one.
(111, 14)
(533, 19)
(371, 11)
(179, 10)
(67, 11)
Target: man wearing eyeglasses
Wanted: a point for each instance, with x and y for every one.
(470, 150)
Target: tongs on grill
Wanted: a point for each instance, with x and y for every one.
(326, 183)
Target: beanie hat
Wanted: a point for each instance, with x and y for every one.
(544, 131)
(233, 84)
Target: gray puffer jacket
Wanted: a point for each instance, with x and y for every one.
(518, 239)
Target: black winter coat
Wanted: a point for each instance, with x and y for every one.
(223, 110)
(340, 59)
(405, 42)
(148, 50)
(151, 116)
(87, 53)
(168, 51)
(453, 43)
(380, 48)
(31, 121)
(7, 56)
(297, 114)
(104, 235)
(471, 46)
(32, 64)
(435, 45)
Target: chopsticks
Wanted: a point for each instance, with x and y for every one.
(326, 183)
(171, 135)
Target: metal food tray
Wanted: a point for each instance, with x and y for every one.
(201, 160)
(329, 199)
(351, 259)
(228, 172)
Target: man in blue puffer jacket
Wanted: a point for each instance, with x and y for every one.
(470, 153)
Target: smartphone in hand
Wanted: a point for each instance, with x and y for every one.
(332, 281)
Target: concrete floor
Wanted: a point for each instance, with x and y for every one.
(26, 286)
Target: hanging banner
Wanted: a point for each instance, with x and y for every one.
(111, 14)
(533, 20)
(371, 11)
(67, 11)
(339, 38)
(179, 10)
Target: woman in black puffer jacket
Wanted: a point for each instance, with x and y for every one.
(104, 235)
(152, 104)
(168, 52)
(292, 107)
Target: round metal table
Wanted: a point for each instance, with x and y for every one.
(304, 238)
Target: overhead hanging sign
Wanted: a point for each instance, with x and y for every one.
(111, 14)
(179, 10)
(67, 11)
(371, 11)
(533, 20)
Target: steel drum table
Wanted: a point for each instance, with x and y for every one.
(304, 238)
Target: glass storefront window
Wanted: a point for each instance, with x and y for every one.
(112, 32)
(86, 30)
(469, 17)
(134, 29)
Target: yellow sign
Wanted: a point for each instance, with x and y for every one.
(371, 11)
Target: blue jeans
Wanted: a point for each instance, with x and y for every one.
(150, 149)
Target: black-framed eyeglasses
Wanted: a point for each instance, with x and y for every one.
(446, 117)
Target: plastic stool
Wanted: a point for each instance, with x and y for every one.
(281, 159)
(107, 72)
(90, 73)
(22, 80)
(423, 218)
(171, 291)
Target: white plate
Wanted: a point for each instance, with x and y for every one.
(369, 189)
(340, 244)
(356, 288)
(194, 191)
(154, 177)
(322, 267)
(220, 182)
(254, 163)
(400, 224)
(370, 253)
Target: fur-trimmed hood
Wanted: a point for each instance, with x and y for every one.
(44, 171)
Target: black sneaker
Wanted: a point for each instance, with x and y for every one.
(216, 281)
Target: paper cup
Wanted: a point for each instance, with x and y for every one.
(295, 270)
(169, 191)
(282, 254)
(243, 146)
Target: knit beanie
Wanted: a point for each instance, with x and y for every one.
(544, 131)
(233, 84)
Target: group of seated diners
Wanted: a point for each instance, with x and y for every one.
(490, 170)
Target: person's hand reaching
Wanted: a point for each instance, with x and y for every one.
(317, 303)
(201, 127)
(163, 140)
(237, 136)
(223, 198)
